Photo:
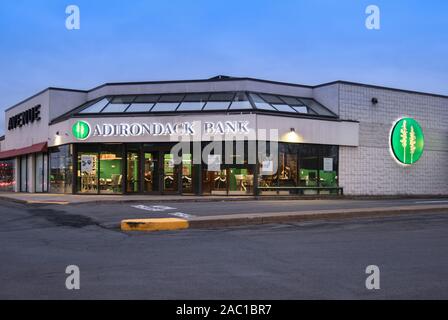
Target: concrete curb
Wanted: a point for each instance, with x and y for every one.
(279, 217)
(14, 200)
(20, 201)
(290, 217)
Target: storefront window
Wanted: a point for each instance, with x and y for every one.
(318, 166)
(132, 180)
(87, 172)
(300, 165)
(328, 167)
(111, 169)
(61, 169)
(151, 173)
(214, 182)
(287, 175)
(187, 173)
(309, 172)
(46, 184)
(7, 175)
(288, 169)
(268, 166)
(214, 175)
(24, 174)
(267, 177)
(41, 170)
(170, 178)
(241, 181)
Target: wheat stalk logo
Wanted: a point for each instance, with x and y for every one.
(404, 139)
(407, 141)
(412, 141)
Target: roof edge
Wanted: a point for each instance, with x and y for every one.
(360, 84)
(43, 91)
(201, 80)
(274, 82)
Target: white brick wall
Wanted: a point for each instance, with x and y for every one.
(370, 168)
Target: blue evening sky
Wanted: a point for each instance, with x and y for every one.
(301, 41)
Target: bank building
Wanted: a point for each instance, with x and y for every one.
(268, 137)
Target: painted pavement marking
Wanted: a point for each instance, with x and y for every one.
(163, 209)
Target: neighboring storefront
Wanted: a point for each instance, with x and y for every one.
(225, 136)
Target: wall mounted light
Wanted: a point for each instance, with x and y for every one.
(291, 136)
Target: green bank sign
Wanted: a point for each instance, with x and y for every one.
(81, 130)
(407, 141)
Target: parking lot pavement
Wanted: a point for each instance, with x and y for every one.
(313, 260)
(110, 214)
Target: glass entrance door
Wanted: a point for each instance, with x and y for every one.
(170, 173)
(161, 174)
(187, 173)
(151, 172)
(214, 182)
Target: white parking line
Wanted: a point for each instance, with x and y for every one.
(153, 208)
(181, 215)
(163, 209)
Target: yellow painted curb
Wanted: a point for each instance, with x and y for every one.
(154, 224)
(47, 202)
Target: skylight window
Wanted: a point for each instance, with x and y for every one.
(140, 107)
(165, 107)
(119, 104)
(300, 109)
(269, 98)
(219, 101)
(217, 105)
(291, 100)
(241, 102)
(191, 106)
(97, 106)
(317, 107)
(283, 108)
(216, 101)
(260, 103)
(143, 103)
(168, 103)
(194, 101)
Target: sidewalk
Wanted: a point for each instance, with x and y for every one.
(53, 198)
(50, 198)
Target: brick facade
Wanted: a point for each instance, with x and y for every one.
(370, 169)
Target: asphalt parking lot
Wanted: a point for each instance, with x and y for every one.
(109, 214)
(314, 260)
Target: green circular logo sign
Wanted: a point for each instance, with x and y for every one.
(407, 141)
(81, 130)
